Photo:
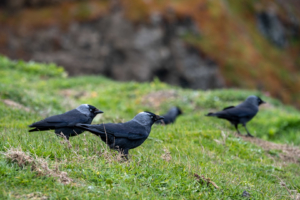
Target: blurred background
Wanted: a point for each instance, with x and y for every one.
(198, 44)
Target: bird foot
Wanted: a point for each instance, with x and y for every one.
(249, 135)
(239, 133)
(124, 159)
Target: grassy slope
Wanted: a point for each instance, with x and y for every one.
(228, 35)
(234, 165)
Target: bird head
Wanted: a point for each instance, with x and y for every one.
(255, 100)
(147, 118)
(179, 111)
(88, 110)
(175, 111)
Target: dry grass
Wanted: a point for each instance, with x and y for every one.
(288, 152)
(202, 180)
(33, 196)
(166, 155)
(155, 99)
(293, 193)
(224, 138)
(15, 105)
(39, 165)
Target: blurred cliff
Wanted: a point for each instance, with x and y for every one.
(191, 43)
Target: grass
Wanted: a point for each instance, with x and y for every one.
(228, 26)
(194, 144)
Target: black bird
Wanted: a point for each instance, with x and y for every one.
(241, 113)
(171, 116)
(124, 136)
(64, 123)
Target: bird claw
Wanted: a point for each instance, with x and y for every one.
(125, 158)
(249, 135)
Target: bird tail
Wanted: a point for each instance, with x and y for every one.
(89, 127)
(32, 130)
(38, 129)
(83, 126)
(210, 114)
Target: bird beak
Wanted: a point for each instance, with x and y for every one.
(98, 111)
(158, 117)
(263, 102)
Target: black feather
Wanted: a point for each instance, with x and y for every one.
(122, 136)
(64, 123)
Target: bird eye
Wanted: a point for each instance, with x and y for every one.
(91, 110)
(151, 116)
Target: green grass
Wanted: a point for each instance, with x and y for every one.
(195, 142)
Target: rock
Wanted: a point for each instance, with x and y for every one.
(279, 30)
(272, 28)
(123, 50)
(245, 194)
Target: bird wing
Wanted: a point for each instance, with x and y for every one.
(237, 112)
(69, 118)
(136, 131)
(228, 107)
(132, 132)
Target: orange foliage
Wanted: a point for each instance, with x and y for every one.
(62, 14)
(228, 35)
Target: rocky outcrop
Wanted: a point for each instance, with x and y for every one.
(272, 28)
(143, 39)
(123, 50)
(16, 5)
(278, 30)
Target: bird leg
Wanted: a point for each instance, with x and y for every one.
(248, 133)
(61, 134)
(236, 127)
(125, 154)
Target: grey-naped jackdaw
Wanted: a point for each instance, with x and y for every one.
(170, 116)
(124, 136)
(241, 113)
(64, 123)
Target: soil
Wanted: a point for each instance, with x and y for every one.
(287, 153)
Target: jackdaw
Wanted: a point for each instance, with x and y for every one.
(241, 113)
(170, 116)
(124, 136)
(64, 123)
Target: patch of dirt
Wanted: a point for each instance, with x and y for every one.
(166, 155)
(293, 193)
(36, 164)
(15, 105)
(288, 153)
(35, 195)
(202, 180)
(155, 99)
(72, 93)
(112, 156)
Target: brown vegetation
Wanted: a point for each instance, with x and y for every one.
(228, 35)
(36, 164)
